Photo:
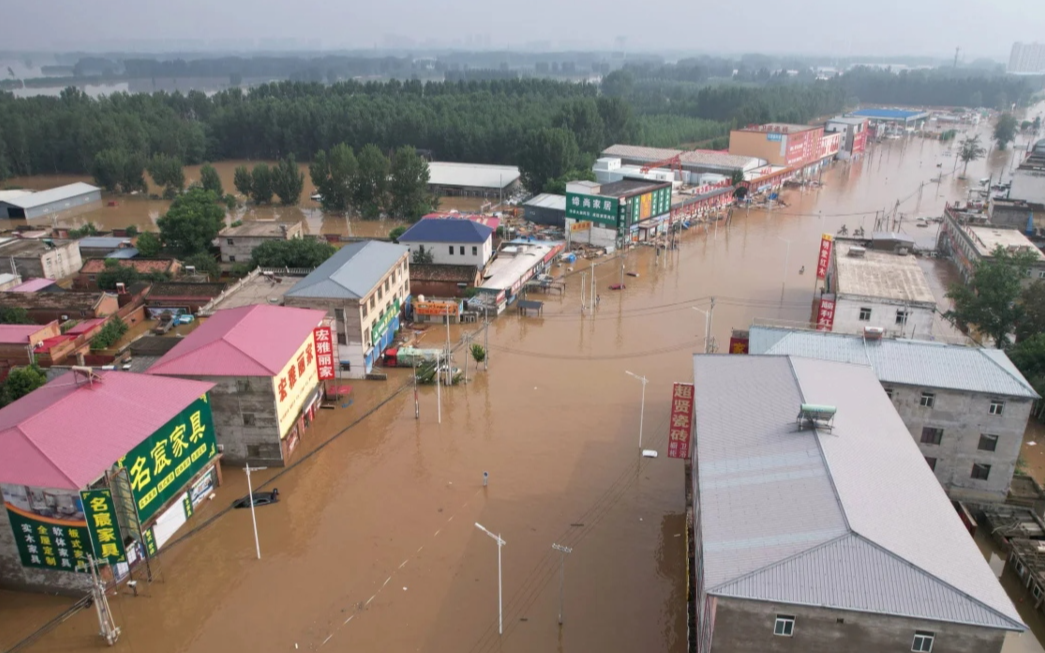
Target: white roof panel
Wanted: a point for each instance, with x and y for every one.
(474, 175)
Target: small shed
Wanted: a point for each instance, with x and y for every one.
(546, 209)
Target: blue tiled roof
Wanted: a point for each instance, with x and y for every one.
(446, 231)
(896, 114)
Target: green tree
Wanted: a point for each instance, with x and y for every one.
(332, 174)
(1005, 130)
(582, 117)
(109, 334)
(261, 184)
(205, 264)
(148, 245)
(243, 181)
(210, 180)
(118, 171)
(167, 172)
(1032, 299)
(131, 231)
(478, 354)
(191, 223)
(115, 273)
(409, 198)
(989, 303)
(15, 315)
(970, 150)
(288, 181)
(293, 253)
(370, 183)
(20, 382)
(396, 233)
(87, 229)
(546, 154)
(1029, 358)
(422, 256)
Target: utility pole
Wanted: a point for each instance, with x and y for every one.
(449, 357)
(438, 393)
(253, 518)
(642, 406)
(500, 602)
(466, 341)
(707, 325)
(486, 338)
(592, 294)
(417, 404)
(622, 274)
(583, 290)
(564, 550)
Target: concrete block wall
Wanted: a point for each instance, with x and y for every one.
(883, 314)
(233, 397)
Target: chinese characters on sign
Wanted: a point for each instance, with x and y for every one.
(43, 541)
(824, 261)
(680, 429)
(102, 525)
(164, 462)
(324, 352)
(435, 308)
(600, 210)
(738, 345)
(581, 225)
(825, 315)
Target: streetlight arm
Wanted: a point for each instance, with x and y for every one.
(497, 538)
(640, 378)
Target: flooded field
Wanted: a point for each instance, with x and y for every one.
(374, 546)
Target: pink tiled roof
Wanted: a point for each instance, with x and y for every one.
(65, 435)
(18, 334)
(33, 285)
(85, 326)
(255, 340)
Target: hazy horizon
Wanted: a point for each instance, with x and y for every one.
(932, 28)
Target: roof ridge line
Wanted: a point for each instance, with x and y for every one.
(224, 338)
(1026, 384)
(936, 578)
(55, 465)
(820, 448)
(782, 561)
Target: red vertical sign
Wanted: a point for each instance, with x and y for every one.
(824, 261)
(324, 353)
(680, 430)
(825, 316)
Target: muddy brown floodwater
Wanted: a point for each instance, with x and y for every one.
(374, 546)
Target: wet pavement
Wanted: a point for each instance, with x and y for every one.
(374, 546)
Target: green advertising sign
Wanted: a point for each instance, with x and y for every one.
(46, 543)
(661, 201)
(381, 325)
(600, 210)
(160, 466)
(103, 526)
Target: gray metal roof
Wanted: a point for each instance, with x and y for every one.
(33, 200)
(906, 362)
(351, 273)
(548, 201)
(850, 519)
(471, 175)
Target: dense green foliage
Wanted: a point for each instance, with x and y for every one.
(293, 253)
(408, 196)
(970, 150)
(396, 233)
(20, 382)
(1005, 130)
(15, 315)
(148, 245)
(109, 334)
(191, 223)
(210, 180)
(116, 272)
(166, 172)
(370, 184)
(288, 181)
(119, 171)
(989, 302)
(205, 264)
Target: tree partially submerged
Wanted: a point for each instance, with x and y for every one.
(989, 303)
(293, 253)
(192, 222)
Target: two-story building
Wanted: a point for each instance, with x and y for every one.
(450, 242)
(44, 257)
(363, 287)
(968, 240)
(262, 362)
(854, 131)
(876, 288)
(966, 407)
(816, 525)
(237, 243)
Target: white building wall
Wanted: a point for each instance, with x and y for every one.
(883, 314)
(463, 253)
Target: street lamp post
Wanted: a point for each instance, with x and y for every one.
(253, 517)
(500, 603)
(564, 550)
(642, 407)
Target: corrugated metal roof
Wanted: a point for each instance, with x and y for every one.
(786, 512)
(33, 285)
(548, 201)
(40, 447)
(255, 340)
(103, 242)
(471, 175)
(906, 362)
(708, 158)
(446, 231)
(18, 334)
(32, 200)
(351, 273)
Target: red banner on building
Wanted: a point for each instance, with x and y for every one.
(825, 256)
(324, 352)
(738, 342)
(825, 315)
(680, 429)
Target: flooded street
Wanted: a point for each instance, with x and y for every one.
(374, 546)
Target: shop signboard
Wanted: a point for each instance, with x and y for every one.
(296, 381)
(738, 345)
(680, 430)
(774, 137)
(597, 209)
(436, 308)
(648, 205)
(324, 348)
(825, 314)
(49, 527)
(381, 325)
(824, 261)
(582, 225)
(160, 466)
(103, 526)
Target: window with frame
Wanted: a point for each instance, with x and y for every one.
(988, 442)
(784, 626)
(865, 314)
(928, 400)
(373, 302)
(380, 293)
(248, 419)
(931, 462)
(932, 435)
(980, 471)
(365, 311)
(451, 250)
(342, 339)
(1041, 274)
(475, 250)
(997, 406)
(366, 336)
(1019, 568)
(923, 641)
(229, 241)
(901, 317)
(386, 285)
(462, 250)
(1036, 591)
(232, 259)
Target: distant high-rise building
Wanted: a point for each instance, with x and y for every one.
(1027, 58)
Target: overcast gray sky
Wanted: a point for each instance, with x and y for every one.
(884, 27)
